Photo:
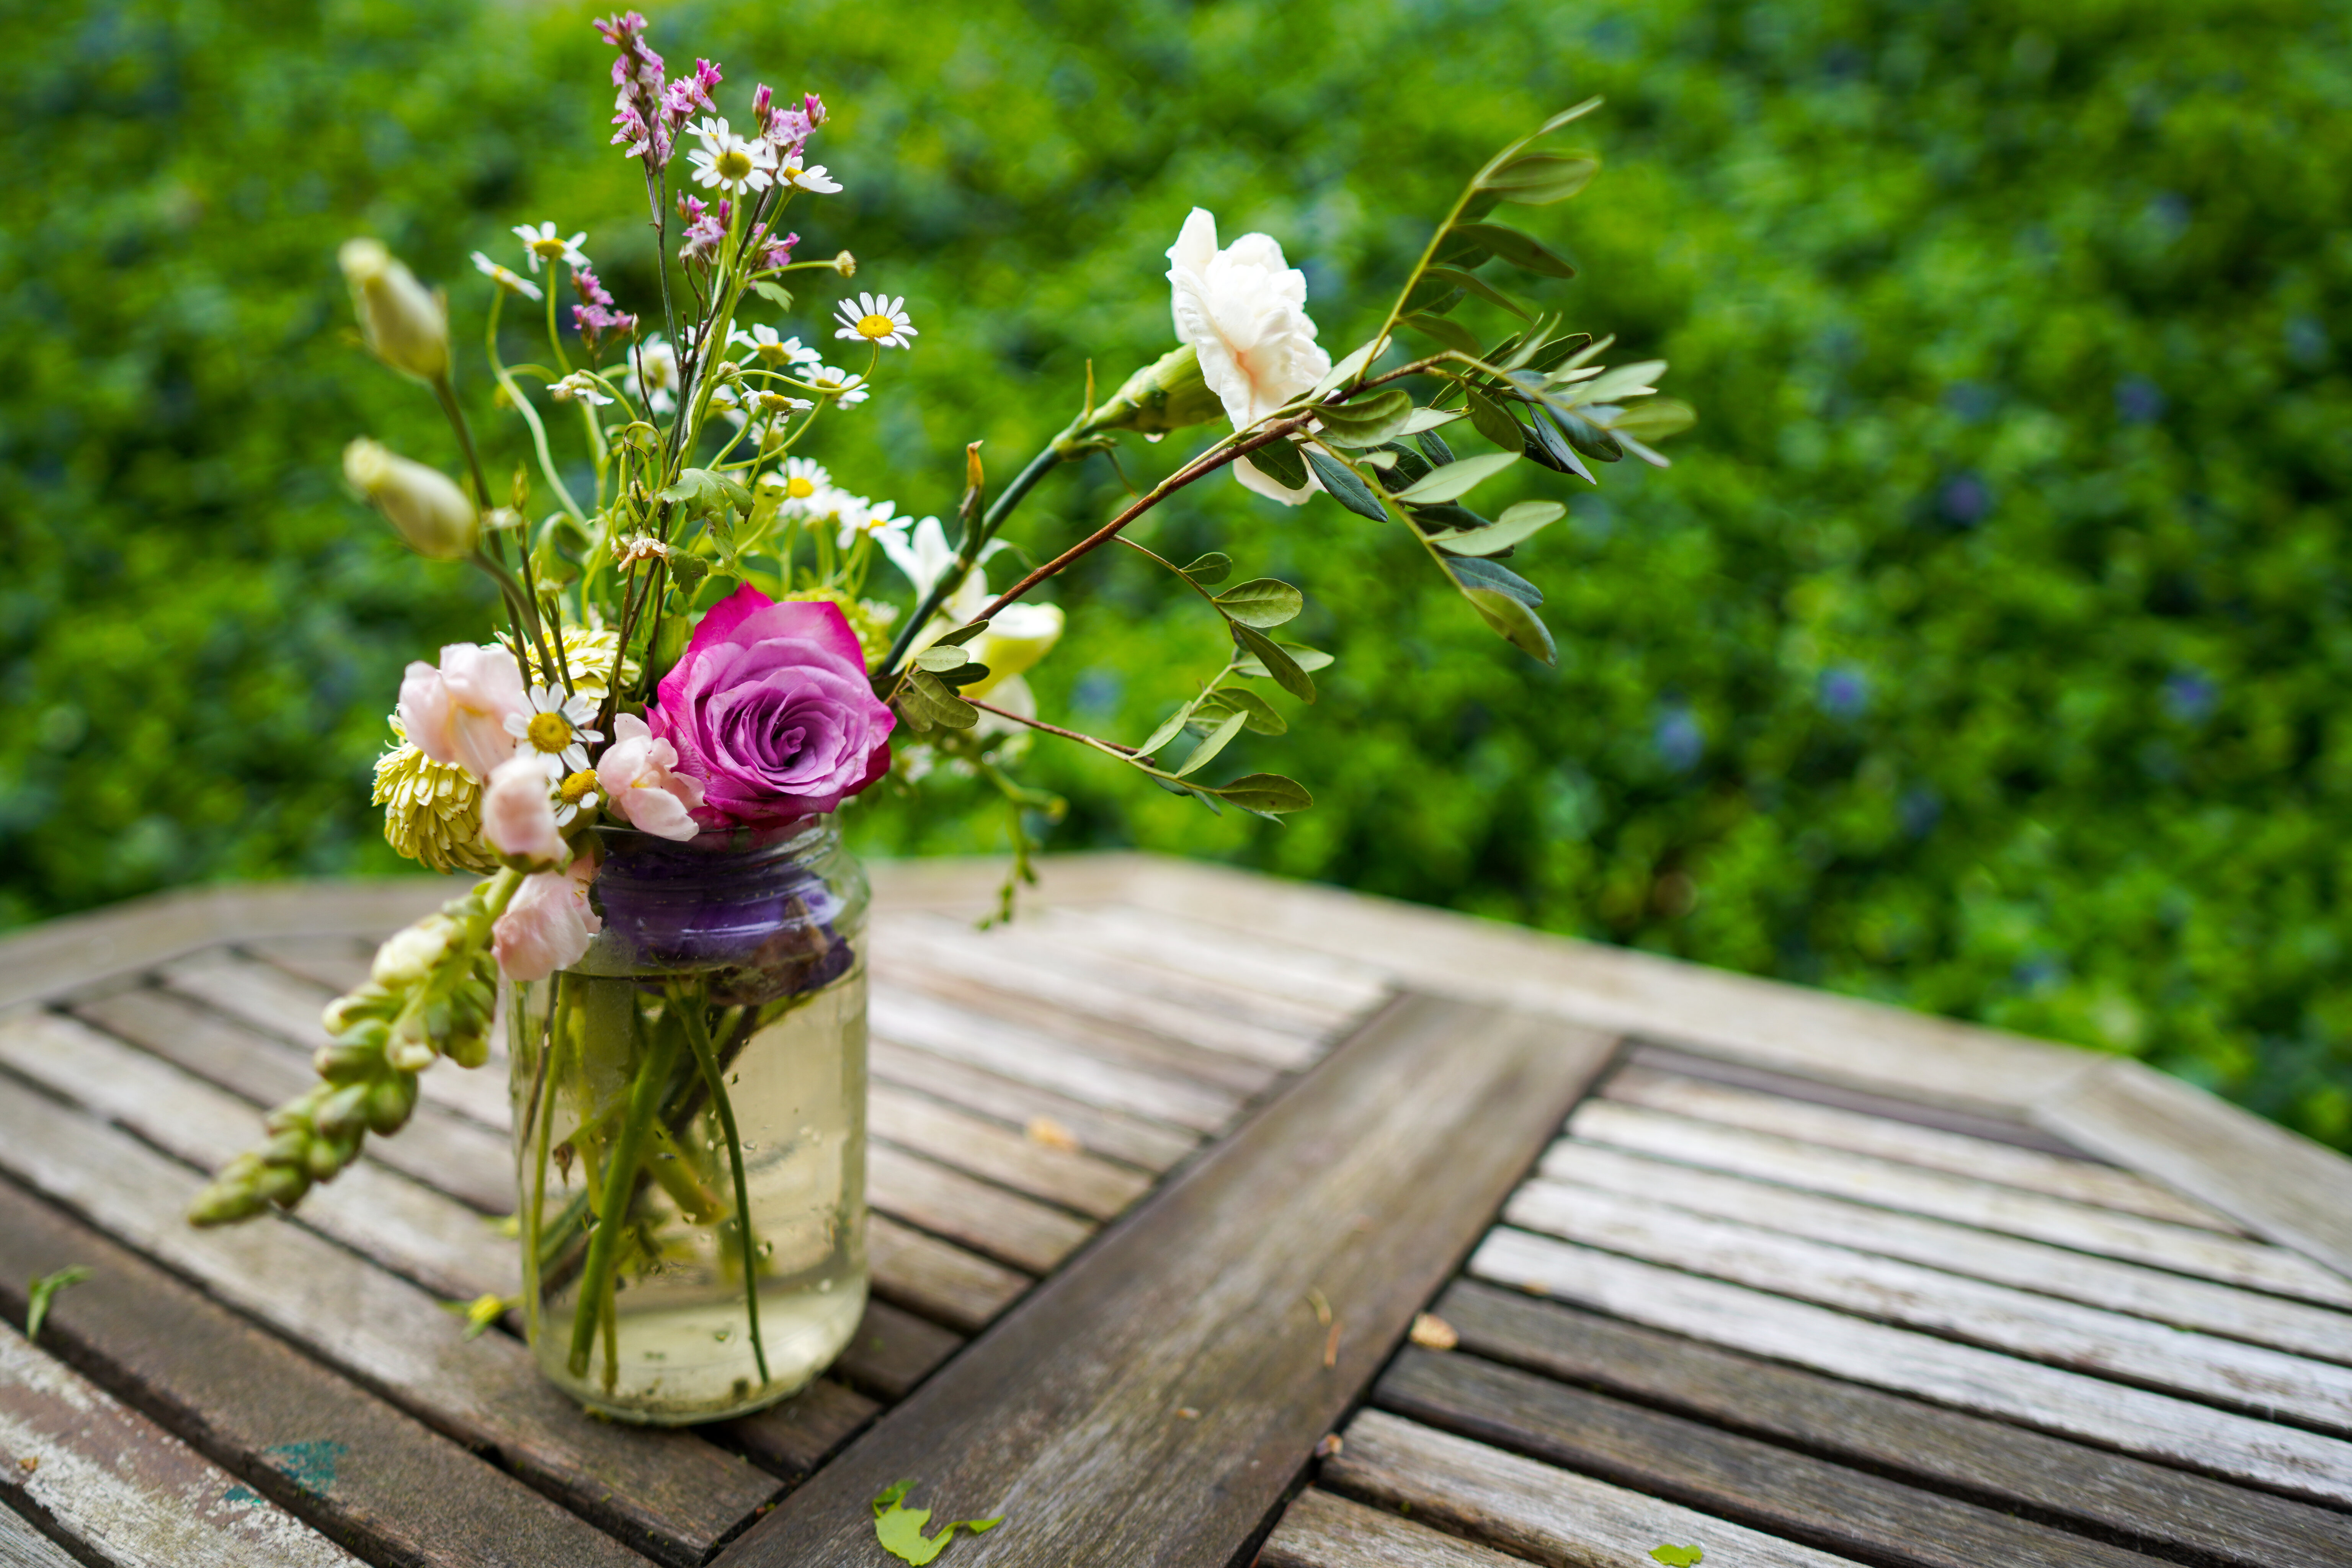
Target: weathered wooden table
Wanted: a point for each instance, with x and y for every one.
(1161, 1177)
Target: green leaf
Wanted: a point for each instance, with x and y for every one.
(685, 570)
(1209, 568)
(1515, 623)
(1678, 1556)
(931, 700)
(1367, 421)
(1539, 179)
(43, 1289)
(1427, 419)
(1496, 425)
(1449, 334)
(961, 634)
(1585, 435)
(1341, 484)
(1342, 373)
(1167, 731)
(1478, 285)
(775, 293)
(1280, 461)
(1285, 669)
(1547, 447)
(1262, 602)
(1518, 523)
(1266, 793)
(1472, 573)
(1576, 113)
(1432, 295)
(899, 1529)
(1621, 382)
(941, 657)
(1511, 245)
(1455, 480)
(700, 490)
(1655, 419)
(1216, 740)
(1260, 714)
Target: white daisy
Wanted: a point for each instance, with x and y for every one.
(578, 387)
(779, 403)
(838, 384)
(653, 374)
(575, 794)
(877, 519)
(802, 480)
(545, 245)
(792, 177)
(507, 278)
(774, 350)
(877, 319)
(728, 163)
(557, 730)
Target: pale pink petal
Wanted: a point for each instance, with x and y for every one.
(549, 925)
(518, 814)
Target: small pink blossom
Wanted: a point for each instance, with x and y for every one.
(458, 713)
(639, 776)
(519, 813)
(549, 925)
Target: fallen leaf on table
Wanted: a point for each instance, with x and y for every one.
(1048, 1133)
(899, 1529)
(38, 1295)
(1432, 1333)
(1678, 1556)
(1329, 1445)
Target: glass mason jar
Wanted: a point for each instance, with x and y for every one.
(702, 1066)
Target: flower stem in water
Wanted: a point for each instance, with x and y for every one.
(697, 1035)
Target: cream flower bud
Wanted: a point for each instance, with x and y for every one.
(1169, 394)
(409, 956)
(407, 328)
(1018, 637)
(425, 505)
(845, 264)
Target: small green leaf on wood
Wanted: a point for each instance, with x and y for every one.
(1266, 793)
(774, 292)
(1509, 245)
(1478, 285)
(1279, 664)
(1367, 420)
(1279, 461)
(1539, 179)
(1345, 487)
(1515, 623)
(43, 1290)
(1515, 525)
(1259, 713)
(1216, 740)
(899, 1529)
(1262, 602)
(1209, 568)
(1654, 419)
(1678, 1556)
(1455, 480)
(1451, 334)
(1490, 421)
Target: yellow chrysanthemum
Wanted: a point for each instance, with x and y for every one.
(432, 811)
(589, 650)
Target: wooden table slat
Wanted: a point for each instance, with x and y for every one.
(2070, 1404)
(673, 1492)
(894, 1349)
(1534, 1509)
(1213, 989)
(1323, 1529)
(333, 964)
(1979, 1159)
(1993, 1462)
(797, 1436)
(1751, 1482)
(1337, 986)
(459, 1157)
(1763, 1157)
(1146, 1407)
(991, 1221)
(276, 1417)
(22, 1546)
(2156, 1294)
(1148, 1146)
(2227, 1373)
(1072, 1179)
(111, 1478)
(938, 1278)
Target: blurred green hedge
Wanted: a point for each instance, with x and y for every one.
(1979, 652)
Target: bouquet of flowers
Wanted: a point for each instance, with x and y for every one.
(719, 645)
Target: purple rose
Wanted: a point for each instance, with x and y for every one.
(771, 710)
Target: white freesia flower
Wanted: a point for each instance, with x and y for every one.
(1018, 635)
(1244, 311)
(507, 278)
(926, 555)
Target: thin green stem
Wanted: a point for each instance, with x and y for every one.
(620, 1184)
(1055, 453)
(697, 1038)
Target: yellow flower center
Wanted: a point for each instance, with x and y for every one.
(799, 488)
(877, 326)
(549, 731)
(734, 164)
(547, 247)
(789, 173)
(578, 787)
(773, 352)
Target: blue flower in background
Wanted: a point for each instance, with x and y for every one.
(2138, 400)
(1965, 499)
(1677, 738)
(2190, 696)
(1844, 691)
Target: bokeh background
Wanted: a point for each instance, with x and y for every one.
(1984, 650)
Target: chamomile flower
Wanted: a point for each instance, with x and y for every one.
(792, 177)
(879, 520)
(544, 244)
(557, 730)
(575, 794)
(877, 319)
(578, 387)
(838, 384)
(728, 163)
(774, 351)
(801, 481)
(773, 403)
(507, 278)
(653, 373)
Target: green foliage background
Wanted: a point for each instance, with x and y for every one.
(1980, 652)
